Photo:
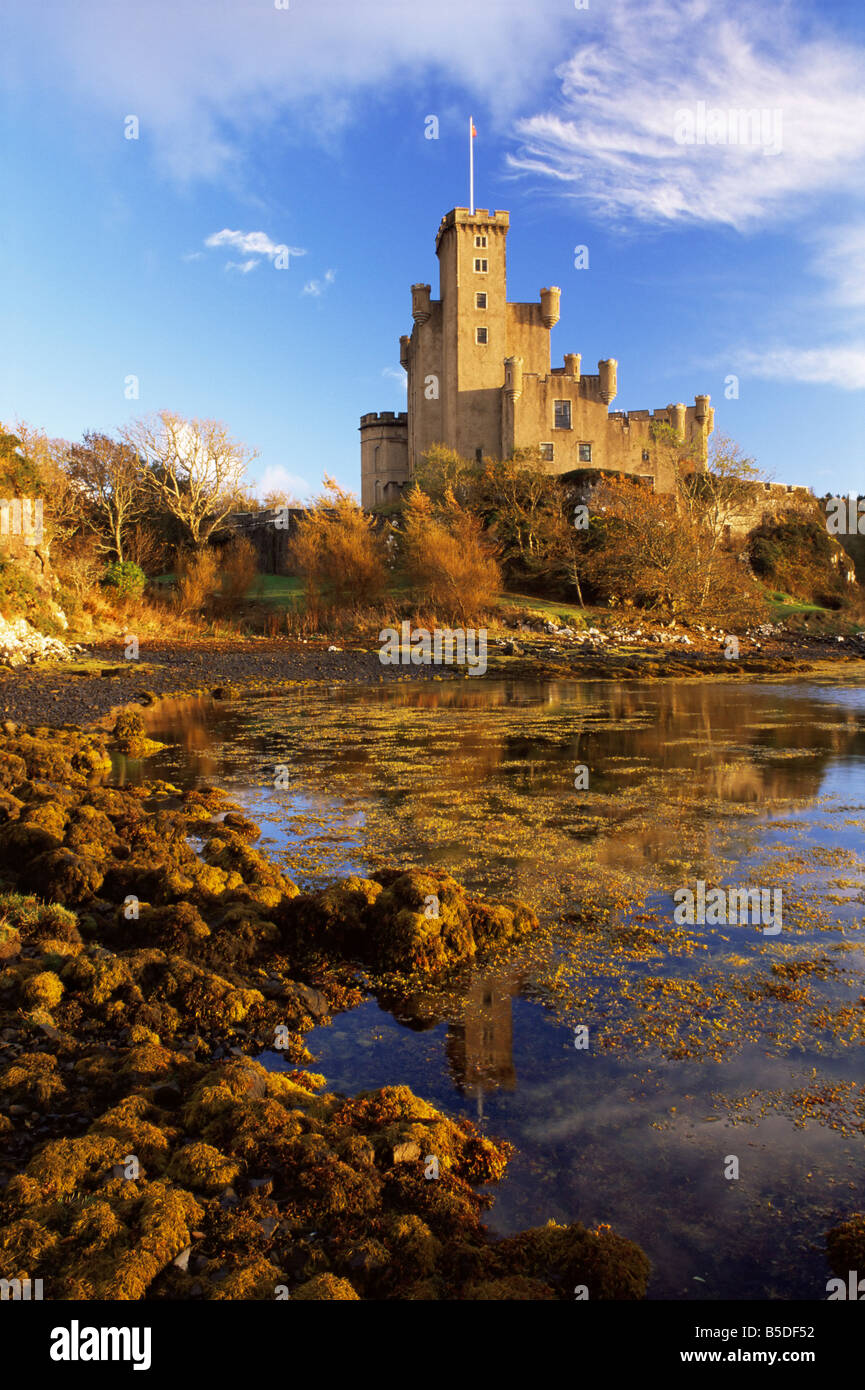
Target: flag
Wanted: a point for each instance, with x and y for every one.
(474, 132)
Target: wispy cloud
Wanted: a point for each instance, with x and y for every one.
(208, 79)
(842, 366)
(396, 374)
(611, 135)
(318, 287)
(255, 246)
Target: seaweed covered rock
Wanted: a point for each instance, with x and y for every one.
(62, 876)
(157, 1158)
(418, 921)
(845, 1245)
(130, 736)
(607, 1265)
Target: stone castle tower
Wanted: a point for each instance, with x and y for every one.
(481, 382)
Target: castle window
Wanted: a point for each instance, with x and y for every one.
(562, 415)
(480, 241)
(479, 455)
(585, 451)
(480, 335)
(645, 456)
(480, 265)
(481, 299)
(546, 452)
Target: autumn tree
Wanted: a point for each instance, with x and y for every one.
(448, 560)
(338, 552)
(108, 475)
(47, 477)
(442, 470)
(194, 468)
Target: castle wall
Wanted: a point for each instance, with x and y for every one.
(528, 338)
(426, 424)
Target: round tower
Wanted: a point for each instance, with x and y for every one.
(383, 456)
(677, 418)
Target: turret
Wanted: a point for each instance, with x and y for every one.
(677, 419)
(572, 365)
(607, 372)
(420, 303)
(514, 377)
(701, 407)
(550, 301)
(404, 342)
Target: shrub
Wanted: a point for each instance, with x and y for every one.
(197, 579)
(338, 552)
(126, 578)
(239, 563)
(447, 559)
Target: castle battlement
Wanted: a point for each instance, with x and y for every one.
(384, 417)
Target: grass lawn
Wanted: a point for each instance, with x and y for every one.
(555, 609)
(285, 589)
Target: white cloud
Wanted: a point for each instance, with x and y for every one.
(396, 374)
(205, 78)
(840, 257)
(318, 287)
(611, 136)
(842, 366)
(256, 246)
(278, 478)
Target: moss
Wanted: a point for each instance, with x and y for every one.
(36, 921)
(326, 1287)
(203, 1168)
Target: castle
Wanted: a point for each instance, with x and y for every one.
(480, 380)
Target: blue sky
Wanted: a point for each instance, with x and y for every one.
(305, 128)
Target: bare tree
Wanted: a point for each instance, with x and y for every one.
(194, 467)
(109, 476)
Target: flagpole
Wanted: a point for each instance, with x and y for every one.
(471, 167)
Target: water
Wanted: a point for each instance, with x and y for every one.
(706, 1044)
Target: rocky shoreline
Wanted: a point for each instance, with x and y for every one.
(87, 691)
(161, 1134)
(145, 1152)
